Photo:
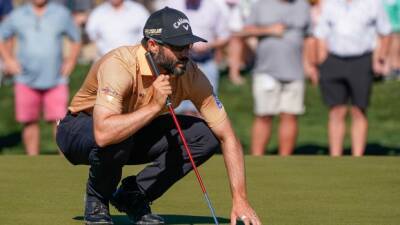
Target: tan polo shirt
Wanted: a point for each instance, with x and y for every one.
(122, 82)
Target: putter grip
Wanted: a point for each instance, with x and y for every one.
(152, 64)
(155, 70)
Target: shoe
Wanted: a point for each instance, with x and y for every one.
(96, 212)
(130, 200)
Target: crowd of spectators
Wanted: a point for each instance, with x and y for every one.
(338, 45)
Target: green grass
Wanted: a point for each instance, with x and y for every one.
(383, 117)
(298, 190)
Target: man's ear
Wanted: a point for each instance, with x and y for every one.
(152, 46)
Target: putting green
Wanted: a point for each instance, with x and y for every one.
(300, 190)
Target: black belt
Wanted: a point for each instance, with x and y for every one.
(350, 57)
(74, 114)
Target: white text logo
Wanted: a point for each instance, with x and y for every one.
(183, 22)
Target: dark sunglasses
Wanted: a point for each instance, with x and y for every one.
(174, 47)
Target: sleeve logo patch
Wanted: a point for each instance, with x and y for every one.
(217, 101)
(110, 93)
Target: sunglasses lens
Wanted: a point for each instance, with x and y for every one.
(179, 48)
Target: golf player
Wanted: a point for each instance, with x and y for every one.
(119, 117)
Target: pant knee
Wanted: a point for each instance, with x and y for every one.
(205, 141)
(110, 156)
(213, 145)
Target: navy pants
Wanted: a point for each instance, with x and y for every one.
(157, 143)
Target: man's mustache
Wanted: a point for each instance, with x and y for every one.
(182, 60)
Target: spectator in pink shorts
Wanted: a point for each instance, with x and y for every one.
(40, 72)
(53, 100)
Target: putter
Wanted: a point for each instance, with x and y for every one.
(171, 111)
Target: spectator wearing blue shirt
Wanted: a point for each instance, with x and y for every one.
(40, 71)
(6, 7)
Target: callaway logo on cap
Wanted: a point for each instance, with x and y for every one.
(170, 26)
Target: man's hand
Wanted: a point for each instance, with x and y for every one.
(378, 66)
(234, 163)
(312, 73)
(12, 66)
(242, 210)
(162, 88)
(200, 47)
(277, 29)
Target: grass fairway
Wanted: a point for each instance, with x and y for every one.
(300, 190)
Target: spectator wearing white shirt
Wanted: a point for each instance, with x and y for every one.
(115, 23)
(353, 45)
(208, 19)
(234, 51)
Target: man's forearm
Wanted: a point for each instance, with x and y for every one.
(234, 161)
(322, 50)
(219, 43)
(5, 52)
(383, 47)
(310, 51)
(233, 157)
(259, 31)
(75, 50)
(115, 128)
(255, 31)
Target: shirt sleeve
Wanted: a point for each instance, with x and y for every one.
(114, 83)
(383, 23)
(252, 18)
(206, 102)
(91, 26)
(7, 27)
(322, 28)
(222, 29)
(71, 29)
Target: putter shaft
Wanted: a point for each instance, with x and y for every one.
(178, 127)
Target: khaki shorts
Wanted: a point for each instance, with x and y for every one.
(272, 97)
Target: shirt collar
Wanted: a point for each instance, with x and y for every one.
(46, 10)
(142, 61)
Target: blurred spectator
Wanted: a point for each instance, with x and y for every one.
(208, 20)
(108, 27)
(348, 33)
(393, 10)
(80, 9)
(150, 5)
(6, 7)
(236, 43)
(159, 4)
(310, 51)
(40, 71)
(278, 79)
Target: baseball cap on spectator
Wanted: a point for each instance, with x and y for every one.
(170, 26)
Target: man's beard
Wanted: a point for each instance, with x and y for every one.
(170, 65)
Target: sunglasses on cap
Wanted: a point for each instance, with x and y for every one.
(174, 47)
